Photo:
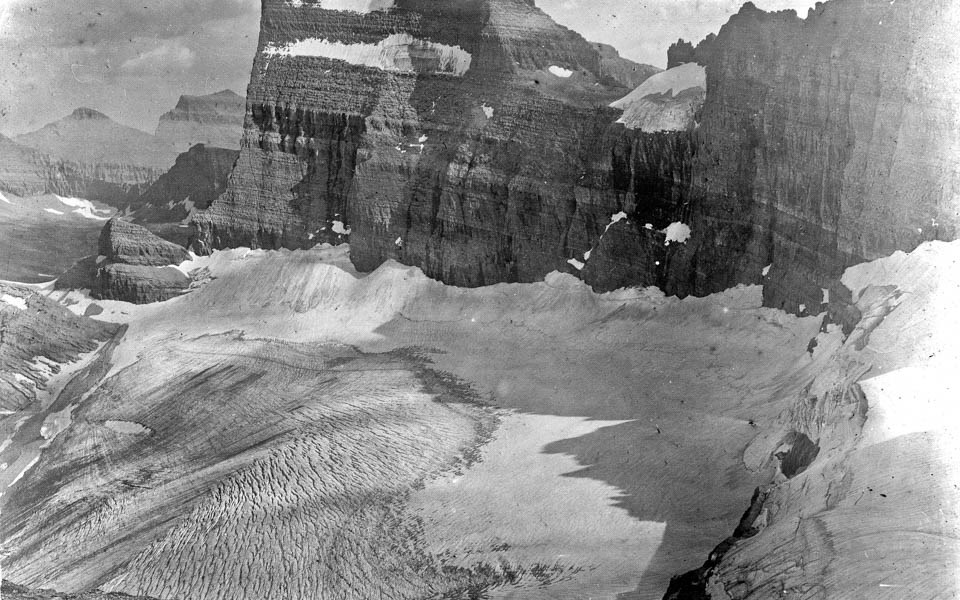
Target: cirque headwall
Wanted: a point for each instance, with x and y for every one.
(474, 139)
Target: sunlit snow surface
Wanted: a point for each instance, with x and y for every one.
(394, 53)
(622, 416)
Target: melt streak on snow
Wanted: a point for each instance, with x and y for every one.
(394, 53)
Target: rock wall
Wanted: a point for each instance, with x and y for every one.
(820, 143)
(823, 142)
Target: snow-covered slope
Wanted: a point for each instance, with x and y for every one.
(666, 101)
(335, 421)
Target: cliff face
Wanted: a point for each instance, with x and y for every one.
(823, 142)
(476, 145)
(213, 120)
(479, 147)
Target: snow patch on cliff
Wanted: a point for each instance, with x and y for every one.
(560, 71)
(656, 104)
(85, 208)
(339, 228)
(400, 52)
(4, 198)
(14, 301)
(677, 232)
(53, 211)
(354, 6)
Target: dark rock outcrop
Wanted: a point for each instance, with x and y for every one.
(12, 591)
(197, 178)
(213, 120)
(501, 174)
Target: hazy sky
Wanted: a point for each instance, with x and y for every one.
(132, 59)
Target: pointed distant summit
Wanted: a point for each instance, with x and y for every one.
(87, 136)
(84, 113)
(214, 120)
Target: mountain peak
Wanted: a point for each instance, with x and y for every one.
(83, 113)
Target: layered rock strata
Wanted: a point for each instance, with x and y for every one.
(820, 143)
(212, 120)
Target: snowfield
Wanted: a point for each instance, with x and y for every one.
(385, 432)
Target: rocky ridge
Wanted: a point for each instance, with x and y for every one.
(213, 120)
(470, 178)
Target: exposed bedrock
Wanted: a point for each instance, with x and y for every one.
(38, 337)
(820, 143)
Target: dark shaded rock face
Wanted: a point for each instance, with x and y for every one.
(197, 178)
(125, 242)
(213, 120)
(820, 144)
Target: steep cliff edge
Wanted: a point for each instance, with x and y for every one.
(478, 147)
(212, 120)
